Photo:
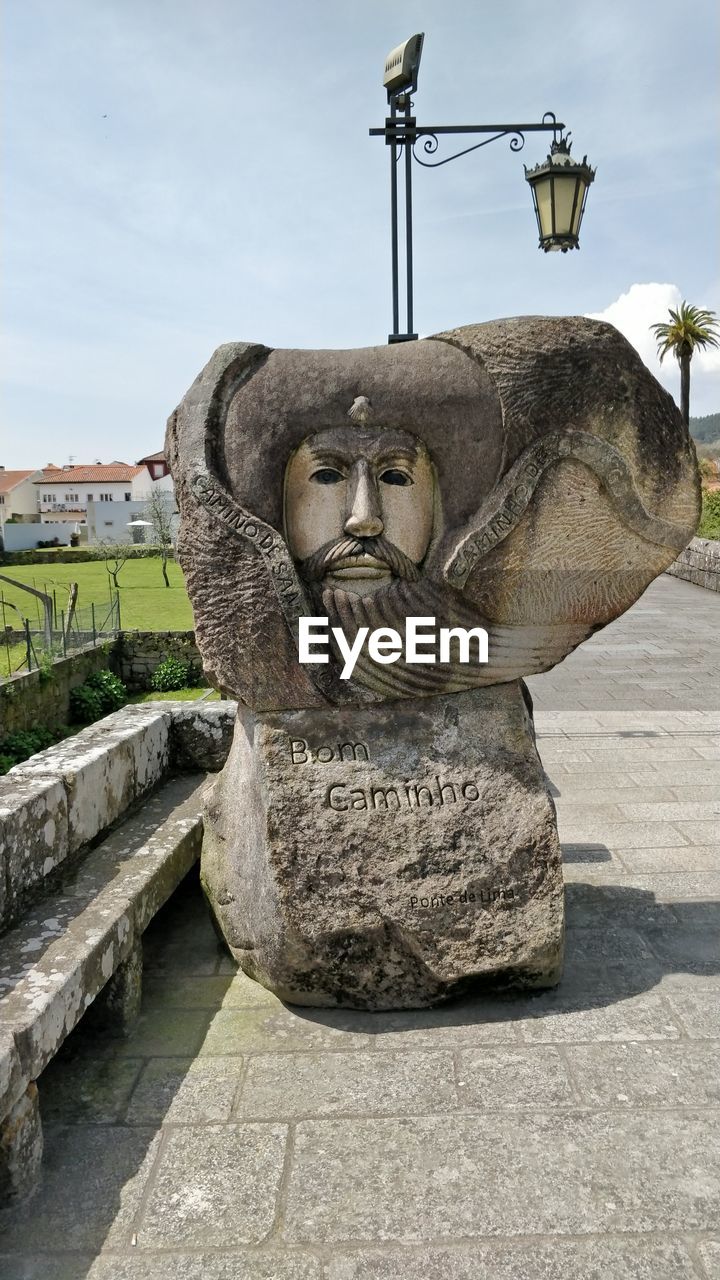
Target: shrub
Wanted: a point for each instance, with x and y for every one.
(710, 518)
(111, 689)
(171, 674)
(19, 746)
(85, 704)
(101, 693)
(75, 555)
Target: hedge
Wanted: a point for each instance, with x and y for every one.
(74, 555)
(710, 519)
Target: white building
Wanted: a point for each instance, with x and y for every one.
(63, 493)
(18, 499)
(118, 521)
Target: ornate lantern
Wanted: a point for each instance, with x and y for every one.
(559, 189)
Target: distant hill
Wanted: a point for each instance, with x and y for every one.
(705, 430)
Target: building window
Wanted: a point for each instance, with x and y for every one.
(106, 497)
(71, 497)
(108, 524)
(128, 496)
(89, 498)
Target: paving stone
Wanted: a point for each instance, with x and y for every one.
(657, 774)
(185, 1091)
(626, 835)
(596, 1259)
(675, 811)
(689, 791)
(694, 947)
(709, 1251)
(187, 956)
(243, 993)
(582, 798)
(681, 751)
(615, 946)
(592, 856)
(592, 904)
(165, 1032)
(288, 1086)
(698, 1012)
(593, 781)
(468, 1022)
(566, 1173)
(647, 1075)
(570, 813)
(700, 832)
(185, 992)
(674, 887)
(513, 1077)
(553, 1018)
(91, 1186)
(243, 1265)
(240, 1265)
(216, 1186)
(689, 857)
(282, 1030)
(87, 1091)
(71, 1267)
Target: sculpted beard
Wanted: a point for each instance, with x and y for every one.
(346, 552)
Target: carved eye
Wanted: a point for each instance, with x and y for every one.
(395, 476)
(327, 475)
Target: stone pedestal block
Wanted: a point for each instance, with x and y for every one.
(387, 857)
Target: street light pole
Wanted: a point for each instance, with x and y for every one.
(558, 205)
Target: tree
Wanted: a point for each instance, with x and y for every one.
(689, 329)
(114, 554)
(160, 509)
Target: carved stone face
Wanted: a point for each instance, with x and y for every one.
(359, 507)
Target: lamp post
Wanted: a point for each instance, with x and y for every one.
(559, 185)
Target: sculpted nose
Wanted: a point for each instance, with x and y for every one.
(364, 516)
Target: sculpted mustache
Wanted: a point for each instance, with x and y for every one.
(321, 561)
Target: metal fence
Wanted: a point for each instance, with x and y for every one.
(38, 642)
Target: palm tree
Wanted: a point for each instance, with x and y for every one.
(689, 328)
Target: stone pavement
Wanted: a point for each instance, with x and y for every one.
(573, 1135)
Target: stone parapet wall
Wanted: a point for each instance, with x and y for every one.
(699, 563)
(55, 805)
(138, 653)
(37, 698)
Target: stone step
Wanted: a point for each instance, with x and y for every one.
(83, 941)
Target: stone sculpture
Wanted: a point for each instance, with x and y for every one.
(388, 840)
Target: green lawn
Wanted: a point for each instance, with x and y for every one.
(146, 604)
(177, 695)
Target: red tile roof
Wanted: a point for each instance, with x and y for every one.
(111, 473)
(9, 479)
(153, 457)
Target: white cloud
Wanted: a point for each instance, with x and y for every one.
(635, 311)
(644, 305)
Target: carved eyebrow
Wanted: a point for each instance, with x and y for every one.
(332, 456)
(329, 457)
(401, 453)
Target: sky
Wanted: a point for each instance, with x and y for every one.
(182, 173)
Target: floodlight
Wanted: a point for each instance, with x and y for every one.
(401, 66)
